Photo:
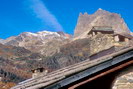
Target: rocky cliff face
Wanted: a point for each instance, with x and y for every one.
(99, 18)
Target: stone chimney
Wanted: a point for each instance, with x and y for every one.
(39, 71)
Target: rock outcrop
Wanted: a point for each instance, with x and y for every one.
(99, 18)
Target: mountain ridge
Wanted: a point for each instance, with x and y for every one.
(36, 42)
(100, 18)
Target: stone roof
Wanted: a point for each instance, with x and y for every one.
(75, 69)
(125, 35)
(38, 68)
(102, 28)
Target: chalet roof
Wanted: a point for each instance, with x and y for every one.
(125, 35)
(77, 71)
(102, 28)
(38, 68)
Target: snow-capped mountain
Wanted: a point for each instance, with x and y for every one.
(39, 42)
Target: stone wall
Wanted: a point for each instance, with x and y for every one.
(101, 42)
(124, 80)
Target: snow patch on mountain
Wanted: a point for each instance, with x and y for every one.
(44, 34)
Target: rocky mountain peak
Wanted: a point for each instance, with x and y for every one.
(100, 18)
(100, 9)
(102, 12)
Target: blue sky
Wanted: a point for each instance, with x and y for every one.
(17, 16)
